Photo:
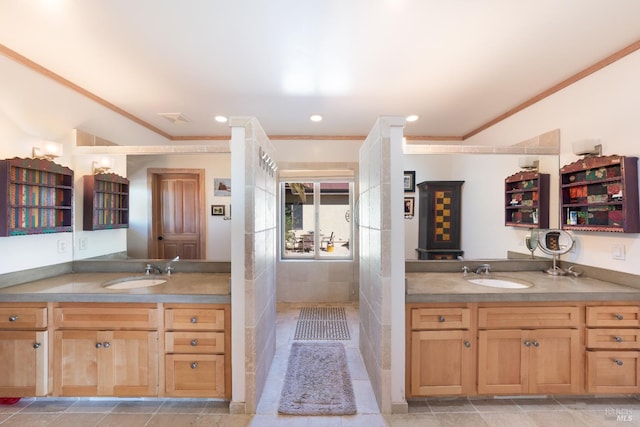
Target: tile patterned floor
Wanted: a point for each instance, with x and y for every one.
(526, 412)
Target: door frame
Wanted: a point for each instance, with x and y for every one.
(152, 226)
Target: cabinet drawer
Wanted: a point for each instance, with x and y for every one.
(527, 317)
(614, 316)
(194, 342)
(440, 318)
(114, 316)
(620, 339)
(613, 371)
(194, 319)
(23, 317)
(194, 375)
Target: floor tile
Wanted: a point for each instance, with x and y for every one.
(77, 420)
(460, 419)
(137, 406)
(92, 406)
(30, 420)
(172, 420)
(124, 420)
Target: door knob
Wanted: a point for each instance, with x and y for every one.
(159, 237)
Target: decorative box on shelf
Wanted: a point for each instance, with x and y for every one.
(36, 196)
(600, 194)
(106, 202)
(527, 200)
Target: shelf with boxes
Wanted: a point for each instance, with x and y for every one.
(106, 201)
(36, 196)
(527, 200)
(600, 194)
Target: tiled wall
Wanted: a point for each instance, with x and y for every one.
(258, 293)
(381, 259)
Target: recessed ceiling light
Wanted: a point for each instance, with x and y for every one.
(221, 119)
(412, 117)
(315, 118)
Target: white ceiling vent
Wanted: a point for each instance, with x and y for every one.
(176, 118)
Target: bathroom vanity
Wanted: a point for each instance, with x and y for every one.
(70, 336)
(563, 335)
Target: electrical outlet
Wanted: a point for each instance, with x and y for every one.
(617, 252)
(82, 244)
(62, 246)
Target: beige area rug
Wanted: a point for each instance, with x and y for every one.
(317, 381)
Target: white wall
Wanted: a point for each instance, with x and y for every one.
(604, 105)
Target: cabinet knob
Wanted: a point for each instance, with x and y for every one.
(618, 362)
(617, 339)
(98, 345)
(13, 318)
(536, 344)
(441, 319)
(194, 320)
(194, 342)
(36, 345)
(527, 343)
(467, 344)
(194, 365)
(619, 316)
(106, 344)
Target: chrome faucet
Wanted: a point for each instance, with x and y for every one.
(152, 268)
(483, 269)
(170, 267)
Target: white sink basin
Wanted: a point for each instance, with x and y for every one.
(504, 283)
(134, 282)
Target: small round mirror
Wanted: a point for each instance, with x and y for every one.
(555, 242)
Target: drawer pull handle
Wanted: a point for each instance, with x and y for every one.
(194, 342)
(619, 316)
(536, 344)
(98, 345)
(617, 339)
(194, 320)
(467, 344)
(106, 344)
(441, 319)
(36, 345)
(194, 365)
(13, 318)
(527, 343)
(618, 362)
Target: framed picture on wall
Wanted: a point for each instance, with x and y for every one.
(409, 181)
(217, 210)
(408, 206)
(222, 187)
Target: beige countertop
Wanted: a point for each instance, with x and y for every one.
(88, 287)
(453, 287)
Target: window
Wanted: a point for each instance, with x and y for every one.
(316, 219)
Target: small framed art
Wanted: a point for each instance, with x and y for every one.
(409, 181)
(217, 210)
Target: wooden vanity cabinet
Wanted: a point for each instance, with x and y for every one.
(23, 349)
(529, 350)
(105, 349)
(613, 348)
(197, 350)
(441, 352)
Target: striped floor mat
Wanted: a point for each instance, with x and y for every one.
(322, 323)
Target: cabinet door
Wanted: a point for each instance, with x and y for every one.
(76, 361)
(134, 361)
(554, 361)
(503, 359)
(613, 371)
(24, 363)
(441, 363)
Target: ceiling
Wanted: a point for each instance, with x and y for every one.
(458, 64)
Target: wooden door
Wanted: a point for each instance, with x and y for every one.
(24, 362)
(502, 362)
(555, 361)
(177, 214)
(441, 363)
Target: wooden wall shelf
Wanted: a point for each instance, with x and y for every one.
(106, 202)
(527, 200)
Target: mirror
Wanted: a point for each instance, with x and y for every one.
(483, 231)
(484, 235)
(555, 243)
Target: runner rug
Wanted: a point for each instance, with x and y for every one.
(322, 323)
(317, 381)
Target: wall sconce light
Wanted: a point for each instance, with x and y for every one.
(103, 166)
(528, 163)
(587, 147)
(48, 150)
